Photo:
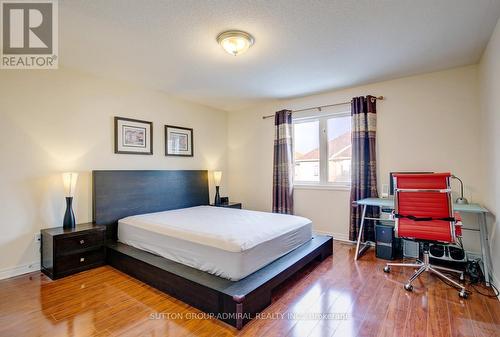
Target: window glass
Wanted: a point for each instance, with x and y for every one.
(306, 151)
(339, 149)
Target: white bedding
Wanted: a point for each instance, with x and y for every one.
(227, 242)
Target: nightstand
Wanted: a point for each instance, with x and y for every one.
(69, 251)
(229, 205)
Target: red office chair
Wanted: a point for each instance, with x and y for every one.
(424, 212)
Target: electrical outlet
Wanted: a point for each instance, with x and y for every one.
(38, 237)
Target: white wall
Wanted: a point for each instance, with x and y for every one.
(427, 122)
(489, 84)
(55, 121)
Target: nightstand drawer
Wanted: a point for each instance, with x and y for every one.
(80, 261)
(69, 244)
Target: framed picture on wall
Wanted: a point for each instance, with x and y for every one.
(133, 136)
(178, 141)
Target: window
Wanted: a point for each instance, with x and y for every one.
(322, 150)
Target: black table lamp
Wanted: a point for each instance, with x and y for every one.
(69, 181)
(217, 178)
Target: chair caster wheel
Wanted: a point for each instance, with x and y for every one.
(408, 287)
(387, 269)
(463, 294)
(462, 277)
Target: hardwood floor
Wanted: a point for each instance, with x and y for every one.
(361, 299)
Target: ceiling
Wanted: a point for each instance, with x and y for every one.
(302, 47)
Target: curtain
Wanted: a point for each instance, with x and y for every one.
(364, 163)
(283, 161)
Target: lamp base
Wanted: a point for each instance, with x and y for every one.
(69, 221)
(217, 200)
(461, 201)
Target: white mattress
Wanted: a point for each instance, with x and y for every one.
(229, 243)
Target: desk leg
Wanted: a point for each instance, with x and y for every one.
(485, 247)
(360, 234)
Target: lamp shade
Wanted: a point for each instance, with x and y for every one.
(69, 181)
(217, 177)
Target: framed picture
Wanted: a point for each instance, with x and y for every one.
(133, 136)
(178, 141)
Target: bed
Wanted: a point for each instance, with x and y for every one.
(230, 243)
(223, 261)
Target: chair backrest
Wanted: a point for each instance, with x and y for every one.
(423, 207)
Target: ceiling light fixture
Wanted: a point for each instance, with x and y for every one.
(235, 42)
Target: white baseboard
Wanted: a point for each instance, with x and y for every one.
(336, 236)
(19, 270)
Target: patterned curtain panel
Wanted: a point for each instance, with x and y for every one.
(283, 161)
(364, 163)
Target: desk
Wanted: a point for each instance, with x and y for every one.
(469, 208)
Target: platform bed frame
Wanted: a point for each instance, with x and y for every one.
(117, 194)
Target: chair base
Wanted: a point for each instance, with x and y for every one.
(426, 266)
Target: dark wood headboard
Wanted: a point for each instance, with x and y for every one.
(118, 194)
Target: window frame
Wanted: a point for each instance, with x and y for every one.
(323, 183)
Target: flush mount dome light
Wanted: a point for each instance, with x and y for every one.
(235, 42)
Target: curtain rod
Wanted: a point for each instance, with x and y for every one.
(380, 98)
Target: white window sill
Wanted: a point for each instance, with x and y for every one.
(322, 187)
